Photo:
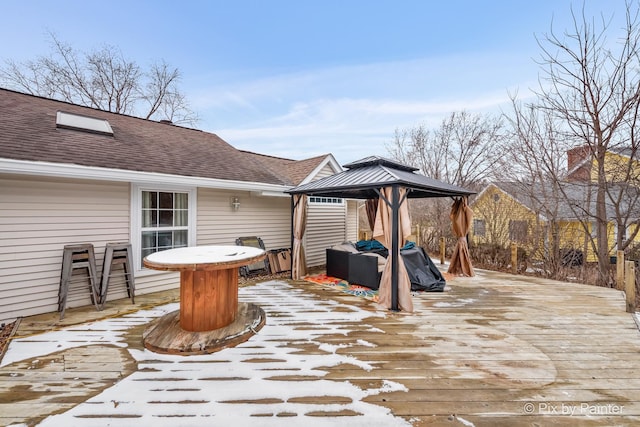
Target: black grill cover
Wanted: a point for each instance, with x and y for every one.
(424, 275)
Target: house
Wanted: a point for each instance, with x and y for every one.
(71, 174)
(503, 215)
(535, 216)
(541, 216)
(512, 212)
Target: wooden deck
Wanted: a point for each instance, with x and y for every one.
(493, 350)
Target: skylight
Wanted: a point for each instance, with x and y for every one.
(83, 123)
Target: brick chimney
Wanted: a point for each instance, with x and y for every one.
(577, 168)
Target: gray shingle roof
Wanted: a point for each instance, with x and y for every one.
(293, 172)
(28, 132)
(571, 202)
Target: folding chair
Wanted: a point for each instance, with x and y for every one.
(256, 267)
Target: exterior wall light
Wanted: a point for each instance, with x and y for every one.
(235, 203)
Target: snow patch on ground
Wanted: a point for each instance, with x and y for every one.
(244, 385)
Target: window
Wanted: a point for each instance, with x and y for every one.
(162, 219)
(165, 221)
(331, 200)
(518, 231)
(479, 227)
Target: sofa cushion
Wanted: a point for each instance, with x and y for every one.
(345, 247)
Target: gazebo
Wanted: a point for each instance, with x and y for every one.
(389, 183)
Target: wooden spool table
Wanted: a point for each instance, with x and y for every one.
(210, 317)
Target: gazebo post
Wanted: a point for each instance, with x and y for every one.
(292, 236)
(395, 206)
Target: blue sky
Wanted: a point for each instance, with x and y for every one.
(301, 78)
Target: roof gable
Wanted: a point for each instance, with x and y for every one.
(294, 172)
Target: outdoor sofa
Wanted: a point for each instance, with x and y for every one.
(363, 263)
(346, 262)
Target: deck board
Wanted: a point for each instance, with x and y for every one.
(493, 350)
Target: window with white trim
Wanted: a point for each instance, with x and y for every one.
(326, 200)
(164, 219)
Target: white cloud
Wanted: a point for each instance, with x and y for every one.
(353, 111)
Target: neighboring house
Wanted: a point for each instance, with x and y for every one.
(502, 215)
(510, 212)
(72, 174)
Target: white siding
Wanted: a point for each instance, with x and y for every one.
(326, 171)
(328, 225)
(352, 220)
(266, 217)
(325, 227)
(218, 224)
(37, 218)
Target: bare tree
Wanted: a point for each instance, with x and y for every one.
(535, 168)
(593, 87)
(102, 79)
(462, 151)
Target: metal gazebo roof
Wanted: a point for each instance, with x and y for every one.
(362, 178)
